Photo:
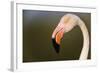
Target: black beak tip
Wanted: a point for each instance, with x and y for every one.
(55, 45)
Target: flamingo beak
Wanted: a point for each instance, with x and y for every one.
(56, 41)
(55, 45)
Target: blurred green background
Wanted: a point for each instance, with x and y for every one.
(37, 31)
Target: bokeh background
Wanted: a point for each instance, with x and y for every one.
(37, 31)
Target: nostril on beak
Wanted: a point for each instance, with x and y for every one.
(55, 45)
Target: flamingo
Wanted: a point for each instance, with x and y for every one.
(66, 24)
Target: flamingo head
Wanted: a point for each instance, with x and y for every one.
(65, 25)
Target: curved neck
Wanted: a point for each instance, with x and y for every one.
(85, 49)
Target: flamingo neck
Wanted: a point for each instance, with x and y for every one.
(85, 49)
